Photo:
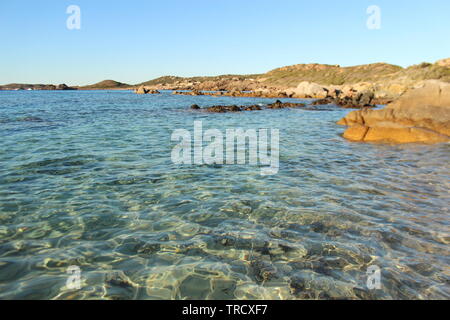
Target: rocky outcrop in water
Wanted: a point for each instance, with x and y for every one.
(352, 99)
(224, 109)
(191, 93)
(145, 90)
(420, 115)
(345, 98)
(283, 105)
(234, 108)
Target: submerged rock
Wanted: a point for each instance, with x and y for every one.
(119, 279)
(421, 115)
(32, 119)
(311, 285)
(263, 270)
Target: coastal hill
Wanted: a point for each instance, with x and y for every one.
(195, 83)
(336, 75)
(291, 76)
(418, 97)
(386, 81)
(106, 84)
(24, 86)
(328, 74)
(103, 85)
(281, 78)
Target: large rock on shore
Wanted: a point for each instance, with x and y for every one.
(383, 92)
(310, 90)
(422, 115)
(141, 90)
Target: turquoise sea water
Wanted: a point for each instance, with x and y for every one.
(86, 180)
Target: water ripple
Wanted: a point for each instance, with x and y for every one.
(99, 191)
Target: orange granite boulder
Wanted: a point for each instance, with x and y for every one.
(422, 115)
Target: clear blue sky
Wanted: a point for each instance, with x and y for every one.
(138, 40)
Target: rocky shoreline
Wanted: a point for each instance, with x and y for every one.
(349, 98)
(417, 97)
(317, 81)
(421, 115)
(346, 97)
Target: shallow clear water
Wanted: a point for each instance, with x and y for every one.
(86, 179)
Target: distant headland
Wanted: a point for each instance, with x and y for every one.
(387, 77)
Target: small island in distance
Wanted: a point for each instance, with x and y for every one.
(103, 85)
